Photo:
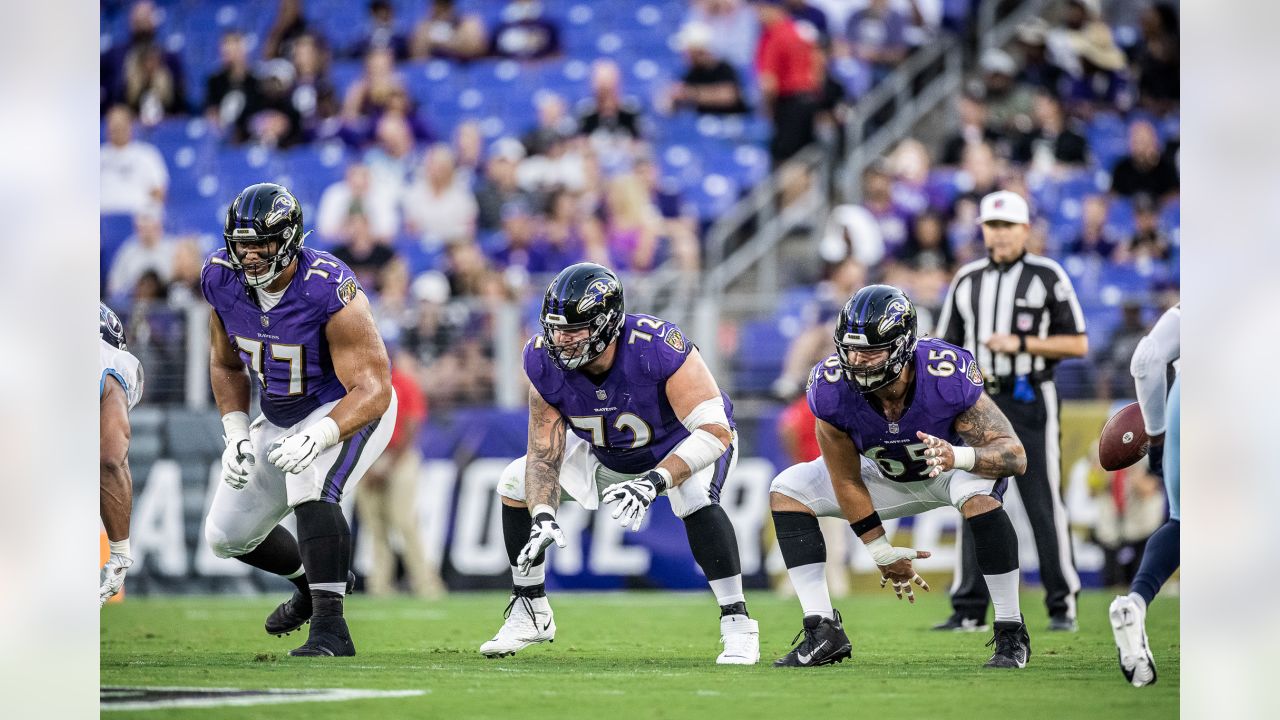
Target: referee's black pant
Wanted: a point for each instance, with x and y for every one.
(1040, 487)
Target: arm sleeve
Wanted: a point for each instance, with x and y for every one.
(1150, 360)
(1065, 316)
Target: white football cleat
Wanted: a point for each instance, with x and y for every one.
(529, 621)
(1129, 625)
(741, 637)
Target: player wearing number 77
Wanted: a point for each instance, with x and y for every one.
(904, 427)
(621, 409)
(296, 320)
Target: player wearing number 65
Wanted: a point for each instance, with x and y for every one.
(621, 409)
(904, 427)
(296, 321)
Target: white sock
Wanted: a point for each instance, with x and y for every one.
(810, 582)
(537, 575)
(1138, 600)
(1004, 596)
(728, 590)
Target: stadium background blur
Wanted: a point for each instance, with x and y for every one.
(477, 188)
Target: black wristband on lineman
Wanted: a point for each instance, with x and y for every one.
(866, 524)
(1022, 343)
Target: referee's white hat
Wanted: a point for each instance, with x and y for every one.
(1004, 205)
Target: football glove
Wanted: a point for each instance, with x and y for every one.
(236, 460)
(113, 576)
(545, 530)
(634, 497)
(296, 452)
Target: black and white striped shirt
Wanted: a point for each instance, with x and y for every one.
(1031, 296)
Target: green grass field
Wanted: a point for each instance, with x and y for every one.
(634, 654)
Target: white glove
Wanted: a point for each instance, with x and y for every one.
(634, 497)
(296, 452)
(544, 531)
(887, 557)
(113, 576)
(236, 459)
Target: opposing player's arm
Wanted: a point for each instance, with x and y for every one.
(547, 429)
(361, 364)
(695, 398)
(997, 450)
(115, 484)
(227, 373)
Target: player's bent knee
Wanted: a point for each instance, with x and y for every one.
(221, 544)
(512, 503)
(979, 504)
(779, 501)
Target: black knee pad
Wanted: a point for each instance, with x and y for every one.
(320, 519)
(799, 538)
(713, 542)
(994, 541)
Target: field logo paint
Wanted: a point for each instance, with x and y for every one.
(112, 697)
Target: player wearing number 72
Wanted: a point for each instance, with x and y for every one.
(621, 409)
(904, 427)
(295, 321)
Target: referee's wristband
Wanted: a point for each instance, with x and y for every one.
(866, 524)
(1022, 343)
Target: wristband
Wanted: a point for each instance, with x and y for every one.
(965, 457)
(120, 547)
(1022, 343)
(325, 433)
(235, 425)
(661, 482)
(866, 524)
(544, 510)
(881, 551)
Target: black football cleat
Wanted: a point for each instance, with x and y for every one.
(959, 623)
(1013, 645)
(823, 643)
(296, 611)
(329, 637)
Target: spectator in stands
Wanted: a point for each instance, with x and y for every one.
(1130, 508)
(520, 240)
(1112, 360)
(1086, 51)
(1037, 70)
(275, 122)
(141, 73)
(1145, 169)
(926, 249)
(876, 35)
(233, 93)
(289, 25)
(909, 164)
(710, 86)
(852, 231)
(609, 120)
(525, 33)
(810, 21)
(313, 96)
(1009, 102)
(148, 249)
(392, 161)
(895, 222)
(568, 234)
(554, 124)
(382, 32)
(813, 344)
(470, 274)
(1156, 64)
(468, 148)
(979, 176)
(678, 220)
(353, 195)
(184, 280)
(387, 497)
(1149, 242)
(833, 104)
(1096, 238)
(371, 94)
(438, 207)
(366, 257)
(632, 224)
(498, 186)
(1051, 142)
(734, 28)
(975, 128)
(785, 69)
(133, 176)
(445, 33)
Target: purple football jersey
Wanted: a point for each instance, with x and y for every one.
(626, 418)
(948, 382)
(284, 348)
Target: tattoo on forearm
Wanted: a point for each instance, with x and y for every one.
(998, 451)
(542, 466)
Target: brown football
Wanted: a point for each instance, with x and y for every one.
(1124, 439)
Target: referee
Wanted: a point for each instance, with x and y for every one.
(1018, 314)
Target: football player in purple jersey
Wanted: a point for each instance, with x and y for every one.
(904, 427)
(296, 321)
(622, 409)
(119, 389)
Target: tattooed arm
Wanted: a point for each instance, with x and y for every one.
(546, 450)
(997, 450)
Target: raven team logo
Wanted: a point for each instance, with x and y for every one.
(596, 294)
(974, 373)
(347, 290)
(675, 340)
(280, 209)
(895, 315)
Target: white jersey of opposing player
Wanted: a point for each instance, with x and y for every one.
(124, 367)
(1160, 347)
